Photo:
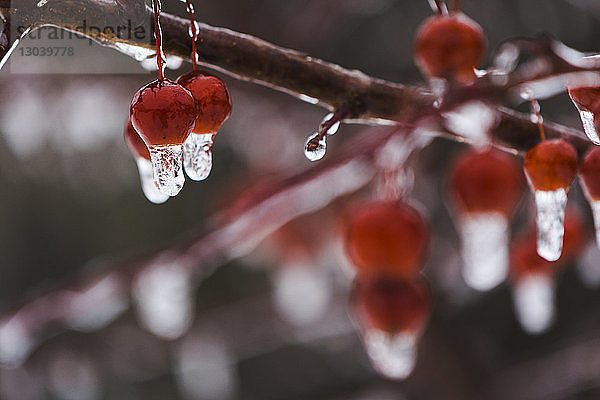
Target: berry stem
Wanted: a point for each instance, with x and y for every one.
(190, 8)
(535, 110)
(338, 116)
(439, 6)
(160, 56)
(455, 6)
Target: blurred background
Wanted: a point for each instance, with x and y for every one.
(275, 324)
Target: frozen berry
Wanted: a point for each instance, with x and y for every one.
(551, 165)
(449, 46)
(212, 100)
(163, 113)
(386, 236)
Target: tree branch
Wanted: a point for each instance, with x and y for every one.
(328, 85)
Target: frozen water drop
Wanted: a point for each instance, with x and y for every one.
(167, 168)
(550, 217)
(587, 119)
(332, 130)
(534, 303)
(315, 147)
(392, 355)
(484, 249)
(147, 179)
(588, 266)
(197, 156)
(595, 206)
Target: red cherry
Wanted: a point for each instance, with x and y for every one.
(163, 113)
(212, 100)
(551, 165)
(449, 46)
(486, 181)
(589, 172)
(587, 98)
(386, 236)
(135, 142)
(391, 304)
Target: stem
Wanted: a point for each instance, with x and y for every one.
(439, 7)
(158, 38)
(455, 6)
(190, 9)
(535, 110)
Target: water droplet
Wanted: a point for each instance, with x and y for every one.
(147, 179)
(587, 119)
(534, 303)
(167, 168)
(197, 156)
(484, 249)
(315, 148)
(550, 216)
(333, 128)
(392, 355)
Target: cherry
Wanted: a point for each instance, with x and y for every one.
(551, 165)
(589, 173)
(163, 113)
(391, 304)
(450, 47)
(135, 142)
(483, 181)
(212, 100)
(386, 236)
(587, 98)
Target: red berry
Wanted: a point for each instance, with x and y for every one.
(486, 181)
(551, 165)
(590, 173)
(163, 113)
(135, 142)
(449, 46)
(391, 304)
(587, 98)
(212, 100)
(386, 236)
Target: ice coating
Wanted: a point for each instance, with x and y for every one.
(332, 130)
(315, 147)
(550, 216)
(147, 180)
(392, 355)
(484, 249)
(197, 156)
(587, 119)
(533, 297)
(167, 169)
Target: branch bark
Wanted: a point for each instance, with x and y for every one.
(328, 85)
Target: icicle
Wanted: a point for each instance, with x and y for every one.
(550, 208)
(484, 249)
(393, 356)
(197, 156)
(588, 266)
(315, 147)
(534, 303)
(147, 180)
(595, 206)
(587, 119)
(167, 168)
